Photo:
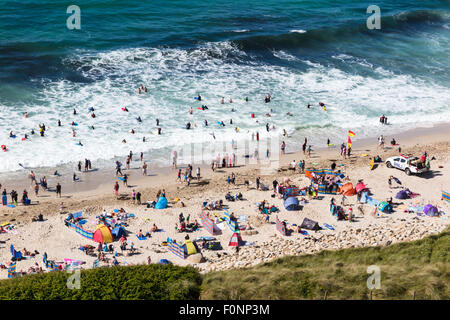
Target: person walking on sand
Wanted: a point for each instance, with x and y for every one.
(198, 174)
(144, 169)
(58, 190)
(309, 151)
(283, 148)
(36, 189)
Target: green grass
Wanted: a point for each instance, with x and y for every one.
(142, 282)
(420, 267)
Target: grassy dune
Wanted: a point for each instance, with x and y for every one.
(421, 266)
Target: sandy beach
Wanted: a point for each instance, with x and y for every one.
(95, 194)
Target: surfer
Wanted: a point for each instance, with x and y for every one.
(79, 143)
(11, 135)
(199, 97)
(125, 109)
(222, 124)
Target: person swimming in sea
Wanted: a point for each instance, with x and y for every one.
(205, 122)
(157, 122)
(188, 125)
(199, 97)
(191, 110)
(132, 131)
(222, 101)
(74, 111)
(59, 123)
(139, 119)
(32, 131)
(93, 115)
(79, 143)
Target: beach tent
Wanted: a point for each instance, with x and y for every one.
(310, 224)
(385, 207)
(431, 210)
(347, 189)
(235, 240)
(360, 187)
(291, 204)
(102, 234)
(118, 232)
(161, 204)
(403, 194)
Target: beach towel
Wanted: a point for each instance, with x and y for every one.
(326, 225)
(141, 238)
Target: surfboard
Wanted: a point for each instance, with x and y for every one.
(364, 155)
(120, 178)
(372, 164)
(75, 124)
(195, 98)
(11, 206)
(13, 136)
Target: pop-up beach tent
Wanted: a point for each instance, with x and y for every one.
(385, 207)
(347, 189)
(403, 194)
(291, 204)
(236, 240)
(161, 204)
(431, 210)
(102, 234)
(118, 232)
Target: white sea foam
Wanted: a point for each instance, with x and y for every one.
(174, 76)
(297, 31)
(280, 54)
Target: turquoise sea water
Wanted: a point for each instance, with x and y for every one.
(299, 51)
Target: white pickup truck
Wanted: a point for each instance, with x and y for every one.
(407, 163)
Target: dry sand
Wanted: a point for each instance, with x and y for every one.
(59, 242)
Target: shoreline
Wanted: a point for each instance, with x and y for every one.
(100, 178)
(59, 242)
